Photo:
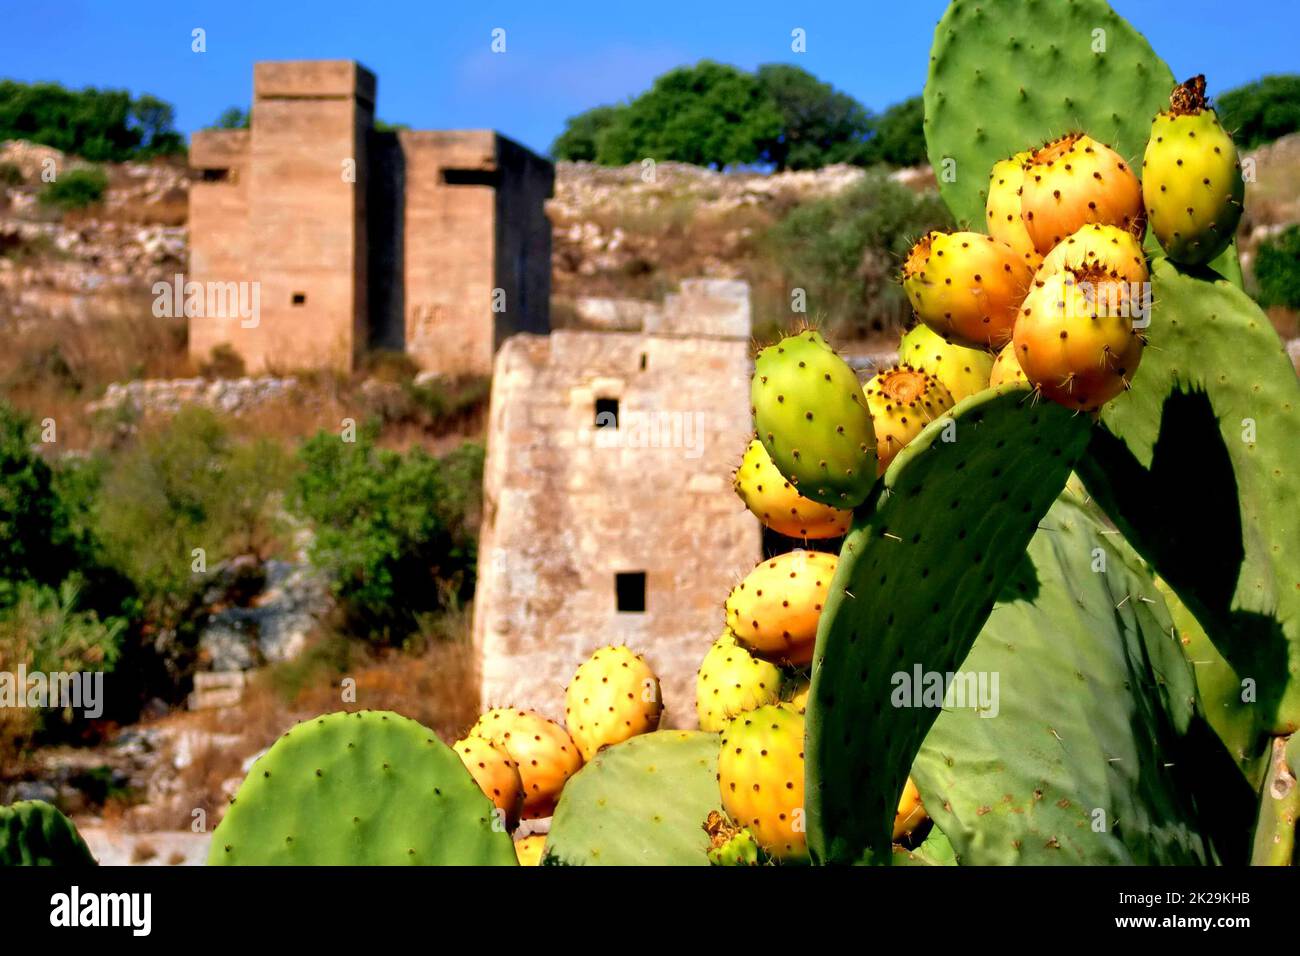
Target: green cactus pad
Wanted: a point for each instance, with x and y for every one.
(1213, 511)
(639, 803)
(935, 850)
(927, 555)
(364, 789)
(1094, 699)
(33, 833)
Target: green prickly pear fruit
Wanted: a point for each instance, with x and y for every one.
(542, 750)
(496, 775)
(776, 502)
(902, 401)
(731, 681)
(529, 849)
(1075, 180)
(812, 420)
(614, 695)
(760, 778)
(730, 845)
(966, 286)
(1006, 368)
(774, 611)
(1113, 250)
(1075, 339)
(1191, 178)
(1002, 210)
(960, 370)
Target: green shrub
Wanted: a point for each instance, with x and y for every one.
(1261, 112)
(10, 174)
(1277, 269)
(99, 125)
(75, 189)
(396, 532)
(845, 251)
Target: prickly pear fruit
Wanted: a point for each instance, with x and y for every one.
(774, 611)
(542, 750)
(529, 849)
(799, 699)
(1115, 251)
(1002, 210)
(730, 845)
(1006, 368)
(496, 775)
(760, 777)
(902, 401)
(812, 420)
(1075, 339)
(614, 695)
(911, 814)
(1191, 178)
(960, 370)
(966, 286)
(1072, 181)
(775, 501)
(731, 681)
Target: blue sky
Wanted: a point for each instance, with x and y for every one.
(436, 69)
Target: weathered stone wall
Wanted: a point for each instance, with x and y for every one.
(523, 242)
(568, 506)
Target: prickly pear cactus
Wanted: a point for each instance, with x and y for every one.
(1077, 761)
(927, 555)
(639, 803)
(366, 788)
(33, 833)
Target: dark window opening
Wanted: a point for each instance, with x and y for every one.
(629, 587)
(216, 175)
(645, 359)
(300, 298)
(471, 177)
(607, 413)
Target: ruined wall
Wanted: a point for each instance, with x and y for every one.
(218, 223)
(568, 506)
(523, 241)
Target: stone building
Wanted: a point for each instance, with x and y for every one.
(435, 243)
(608, 514)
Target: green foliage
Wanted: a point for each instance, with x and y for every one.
(1261, 112)
(33, 833)
(899, 135)
(1277, 269)
(11, 174)
(98, 125)
(232, 117)
(708, 114)
(75, 189)
(397, 533)
(819, 124)
(54, 633)
(580, 140)
(845, 252)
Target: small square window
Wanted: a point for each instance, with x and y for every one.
(629, 589)
(607, 413)
(299, 298)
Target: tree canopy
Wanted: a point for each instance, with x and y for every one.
(1263, 111)
(98, 125)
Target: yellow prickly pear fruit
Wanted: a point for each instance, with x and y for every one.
(776, 502)
(902, 401)
(966, 286)
(1075, 339)
(911, 814)
(760, 778)
(496, 775)
(1002, 210)
(1191, 178)
(1110, 249)
(774, 611)
(1072, 181)
(799, 699)
(529, 849)
(731, 681)
(1006, 368)
(614, 695)
(960, 370)
(542, 750)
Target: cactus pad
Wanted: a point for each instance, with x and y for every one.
(365, 788)
(33, 833)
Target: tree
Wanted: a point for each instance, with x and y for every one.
(708, 114)
(232, 117)
(578, 141)
(819, 125)
(1262, 111)
(900, 135)
(153, 119)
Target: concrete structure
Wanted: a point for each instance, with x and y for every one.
(433, 243)
(608, 512)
